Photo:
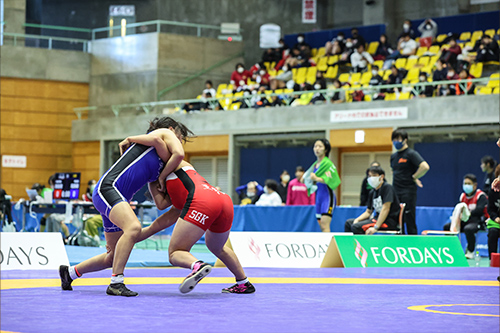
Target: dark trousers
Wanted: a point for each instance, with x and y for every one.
(493, 235)
(469, 228)
(410, 198)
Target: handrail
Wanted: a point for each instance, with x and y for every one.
(194, 76)
(56, 27)
(148, 106)
(48, 38)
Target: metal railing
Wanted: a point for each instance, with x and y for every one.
(152, 107)
(15, 37)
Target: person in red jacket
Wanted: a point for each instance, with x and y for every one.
(470, 213)
(297, 191)
(240, 76)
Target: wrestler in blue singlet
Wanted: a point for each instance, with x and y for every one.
(325, 199)
(138, 166)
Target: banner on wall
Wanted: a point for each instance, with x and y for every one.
(394, 251)
(369, 114)
(32, 250)
(280, 249)
(308, 11)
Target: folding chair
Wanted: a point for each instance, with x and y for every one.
(396, 232)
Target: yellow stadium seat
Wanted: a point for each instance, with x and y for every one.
(221, 87)
(390, 97)
(272, 72)
(278, 91)
(311, 75)
(372, 48)
(427, 69)
(498, 32)
(445, 46)
(465, 35)
(235, 106)
(476, 69)
(365, 78)
(355, 78)
(476, 35)
(230, 87)
(496, 90)
(494, 83)
(301, 75)
(313, 52)
(344, 77)
(469, 45)
(386, 74)
(411, 62)
(267, 64)
(490, 32)
(322, 64)
(484, 91)
(423, 61)
(400, 63)
(331, 73)
(404, 95)
(294, 73)
(413, 73)
(421, 50)
(321, 52)
(417, 39)
(379, 63)
(434, 49)
(441, 37)
(433, 60)
(333, 59)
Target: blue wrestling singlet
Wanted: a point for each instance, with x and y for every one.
(138, 166)
(325, 199)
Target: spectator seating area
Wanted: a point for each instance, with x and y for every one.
(423, 61)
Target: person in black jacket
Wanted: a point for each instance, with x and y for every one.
(365, 187)
(494, 220)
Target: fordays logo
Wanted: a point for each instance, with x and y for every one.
(360, 253)
(254, 248)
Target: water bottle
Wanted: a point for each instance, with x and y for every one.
(477, 258)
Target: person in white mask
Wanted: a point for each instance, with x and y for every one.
(382, 201)
(270, 197)
(283, 185)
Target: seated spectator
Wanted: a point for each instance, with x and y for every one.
(471, 210)
(90, 189)
(209, 88)
(356, 38)
(345, 56)
(360, 59)
(376, 78)
(406, 47)
(465, 88)
(302, 46)
(210, 105)
(493, 223)
(262, 78)
(450, 54)
(439, 74)
(422, 91)
(283, 185)
(396, 76)
(270, 197)
(296, 59)
(428, 30)
(283, 48)
(280, 80)
(382, 201)
(451, 75)
(336, 46)
(320, 84)
(407, 29)
(271, 55)
(305, 98)
(277, 101)
(488, 50)
(240, 76)
(249, 193)
(384, 49)
(297, 191)
(365, 187)
(338, 96)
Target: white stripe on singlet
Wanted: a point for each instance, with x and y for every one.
(173, 176)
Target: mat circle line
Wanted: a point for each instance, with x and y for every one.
(425, 309)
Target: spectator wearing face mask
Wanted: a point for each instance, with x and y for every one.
(376, 80)
(320, 84)
(428, 30)
(262, 78)
(249, 193)
(384, 48)
(270, 197)
(382, 202)
(422, 91)
(451, 53)
(336, 46)
(302, 46)
(466, 88)
(488, 50)
(407, 29)
(283, 185)
(451, 75)
(439, 74)
(271, 55)
(360, 59)
(240, 76)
